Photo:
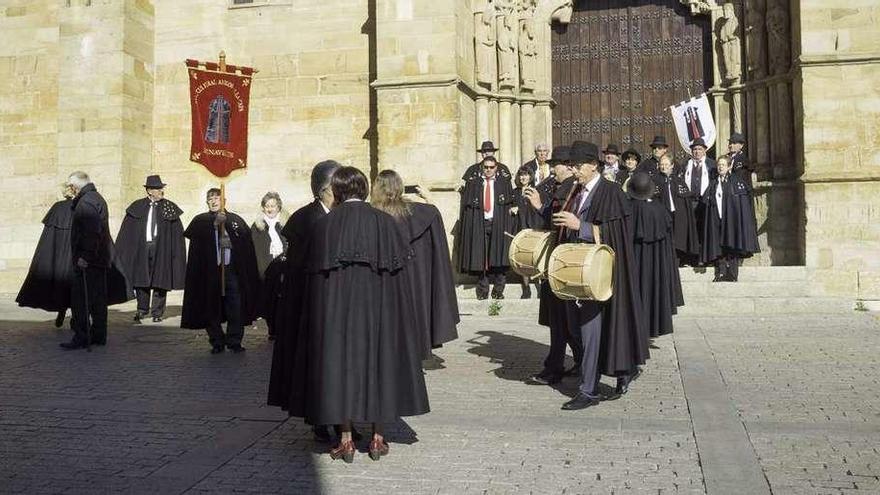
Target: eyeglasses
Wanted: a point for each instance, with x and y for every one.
(493, 167)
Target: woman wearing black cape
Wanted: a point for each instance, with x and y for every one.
(364, 359)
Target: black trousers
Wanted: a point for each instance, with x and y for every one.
(88, 305)
(491, 275)
(727, 268)
(560, 334)
(231, 308)
(157, 309)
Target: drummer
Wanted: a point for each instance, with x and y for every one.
(598, 212)
(545, 200)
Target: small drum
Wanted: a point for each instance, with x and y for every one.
(529, 252)
(581, 272)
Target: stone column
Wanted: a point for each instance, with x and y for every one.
(505, 140)
(494, 122)
(527, 137)
(483, 127)
(516, 110)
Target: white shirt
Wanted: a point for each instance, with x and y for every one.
(586, 191)
(671, 201)
(326, 210)
(276, 247)
(489, 212)
(150, 233)
(539, 171)
(719, 197)
(704, 175)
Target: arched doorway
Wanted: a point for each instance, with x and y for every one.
(619, 64)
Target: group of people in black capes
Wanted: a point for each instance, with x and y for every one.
(355, 294)
(654, 214)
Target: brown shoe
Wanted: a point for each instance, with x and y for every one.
(378, 448)
(345, 451)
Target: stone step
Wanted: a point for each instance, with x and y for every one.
(751, 273)
(702, 306)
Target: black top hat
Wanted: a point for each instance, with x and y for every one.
(582, 152)
(631, 152)
(640, 186)
(698, 142)
(154, 182)
(560, 154)
(611, 148)
(737, 138)
(487, 146)
(659, 142)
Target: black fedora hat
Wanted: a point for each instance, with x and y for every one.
(631, 152)
(659, 142)
(640, 186)
(561, 154)
(698, 142)
(154, 182)
(582, 152)
(737, 138)
(487, 146)
(611, 148)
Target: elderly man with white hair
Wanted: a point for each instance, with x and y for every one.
(539, 165)
(90, 245)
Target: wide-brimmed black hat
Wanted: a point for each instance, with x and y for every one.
(582, 152)
(611, 148)
(561, 154)
(659, 142)
(154, 182)
(698, 142)
(631, 152)
(487, 146)
(737, 138)
(640, 186)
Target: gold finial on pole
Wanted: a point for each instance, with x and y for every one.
(222, 61)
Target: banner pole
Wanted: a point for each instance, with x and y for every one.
(222, 233)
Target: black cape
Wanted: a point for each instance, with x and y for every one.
(48, 282)
(474, 255)
(430, 273)
(735, 232)
(656, 265)
(686, 237)
(271, 269)
(364, 357)
(290, 354)
(202, 296)
(169, 266)
(624, 343)
(476, 171)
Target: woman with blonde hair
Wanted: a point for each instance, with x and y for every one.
(270, 246)
(431, 270)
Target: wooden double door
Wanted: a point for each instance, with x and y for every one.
(619, 65)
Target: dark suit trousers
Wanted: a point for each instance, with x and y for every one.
(231, 307)
(157, 309)
(492, 275)
(560, 336)
(585, 322)
(88, 303)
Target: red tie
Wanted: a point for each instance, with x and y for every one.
(487, 197)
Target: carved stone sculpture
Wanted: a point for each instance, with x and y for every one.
(755, 40)
(506, 53)
(528, 55)
(778, 36)
(485, 46)
(728, 35)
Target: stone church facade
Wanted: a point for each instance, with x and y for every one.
(416, 85)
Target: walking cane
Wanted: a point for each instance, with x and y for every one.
(88, 312)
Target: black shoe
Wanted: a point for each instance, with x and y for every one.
(321, 434)
(59, 320)
(482, 296)
(623, 382)
(137, 317)
(573, 371)
(217, 349)
(580, 401)
(157, 319)
(497, 294)
(236, 348)
(545, 378)
(72, 345)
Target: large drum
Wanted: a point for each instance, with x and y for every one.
(529, 252)
(581, 272)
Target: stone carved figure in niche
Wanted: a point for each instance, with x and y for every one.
(755, 41)
(778, 36)
(528, 55)
(485, 46)
(506, 53)
(728, 35)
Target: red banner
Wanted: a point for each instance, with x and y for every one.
(219, 102)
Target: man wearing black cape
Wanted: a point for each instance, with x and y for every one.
(484, 222)
(289, 355)
(612, 333)
(220, 249)
(677, 198)
(654, 256)
(152, 250)
(485, 150)
(651, 165)
(364, 359)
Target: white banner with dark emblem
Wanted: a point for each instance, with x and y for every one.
(693, 119)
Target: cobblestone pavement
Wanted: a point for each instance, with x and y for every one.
(787, 404)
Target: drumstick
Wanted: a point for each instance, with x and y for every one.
(565, 208)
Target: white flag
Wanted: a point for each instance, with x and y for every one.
(693, 119)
